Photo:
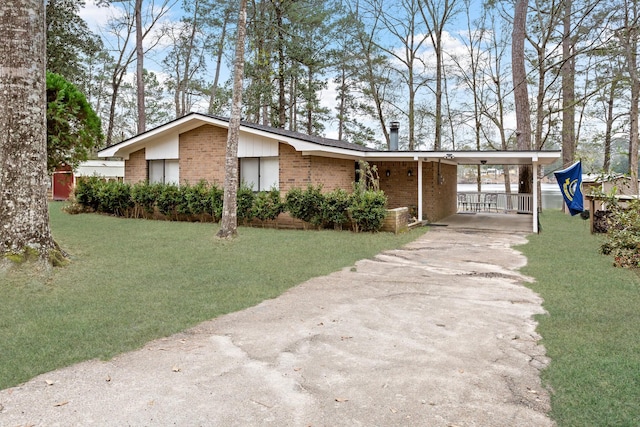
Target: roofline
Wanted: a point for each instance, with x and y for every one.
(315, 145)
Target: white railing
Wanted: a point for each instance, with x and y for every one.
(495, 202)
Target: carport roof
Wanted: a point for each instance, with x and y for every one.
(522, 157)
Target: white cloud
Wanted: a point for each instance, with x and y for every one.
(97, 16)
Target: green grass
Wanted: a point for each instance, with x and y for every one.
(131, 281)
(592, 330)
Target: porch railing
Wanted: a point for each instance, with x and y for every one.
(495, 202)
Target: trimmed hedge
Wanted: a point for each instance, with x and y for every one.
(362, 210)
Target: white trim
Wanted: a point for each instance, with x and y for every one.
(420, 218)
(535, 196)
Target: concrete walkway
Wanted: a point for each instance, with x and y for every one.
(439, 333)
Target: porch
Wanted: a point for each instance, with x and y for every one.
(497, 202)
(484, 221)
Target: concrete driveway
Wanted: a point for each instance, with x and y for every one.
(439, 333)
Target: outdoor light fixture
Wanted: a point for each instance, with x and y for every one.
(409, 172)
(448, 156)
(388, 172)
(484, 162)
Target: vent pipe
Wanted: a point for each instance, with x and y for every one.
(393, 136)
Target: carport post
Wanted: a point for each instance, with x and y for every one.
(534, 165)
(419, 189)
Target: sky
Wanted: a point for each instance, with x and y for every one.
(98, 17)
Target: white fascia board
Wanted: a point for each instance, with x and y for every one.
(391, 156)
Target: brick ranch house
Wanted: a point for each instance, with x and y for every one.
(192, 148)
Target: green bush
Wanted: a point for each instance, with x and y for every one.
(168, 199)
(623, 236)
(368, 210)
(216, 199)
(335, 209)
(144, 196)
(267, 205)
(306, 205)
(245, 199)
(111, 197)
(114, 198)
(86, 192)
(365, 209)
(194, 199)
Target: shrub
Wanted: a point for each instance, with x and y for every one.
(367, 210)
(114, 198)
(335, 207)
(216, 198)
(168, 199)
(623, 237)
(194, 199)
(144, 196)
(306, 205)
(111, 197)
(267, 205)
(86, 192)
(245, 199)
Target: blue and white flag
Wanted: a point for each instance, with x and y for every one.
(570, 182)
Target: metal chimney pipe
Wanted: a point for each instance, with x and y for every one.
(393, 136)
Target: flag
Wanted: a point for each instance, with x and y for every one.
(570, 182)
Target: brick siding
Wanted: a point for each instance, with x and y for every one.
(438, 200)
(298, 171)
(400, 188)
(202, 155)
(135, 169)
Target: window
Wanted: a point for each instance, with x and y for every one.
(164, 171)
(260, 173)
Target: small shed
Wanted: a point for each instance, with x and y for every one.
(62, 181)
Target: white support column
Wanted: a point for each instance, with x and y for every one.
(535, 195)
(420, 189)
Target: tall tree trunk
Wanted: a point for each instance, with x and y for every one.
(606, 166)
(521, 93)
(633, 137)
(24, 215)
(437, 145)
(309, 103)
(229, 221)
(342, 106)
(282, 111)
(216, 78)
(568, 89)
(411, 114)
(142, 118)
(630, 46)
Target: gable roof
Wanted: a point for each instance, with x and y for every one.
(327, 147)
(194, 120)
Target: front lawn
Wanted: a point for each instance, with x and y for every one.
(592, 330)
(131, 281)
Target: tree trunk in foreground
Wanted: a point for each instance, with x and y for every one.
(24, 215)
(521, 93)
(229, 221)
(142, 115)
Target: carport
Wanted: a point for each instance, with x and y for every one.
(424, 175)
